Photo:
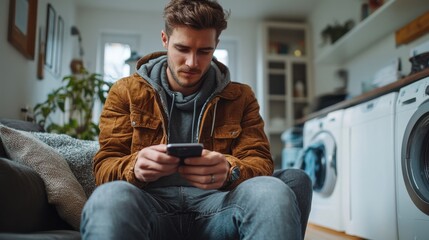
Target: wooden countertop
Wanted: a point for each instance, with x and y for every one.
(395, 86)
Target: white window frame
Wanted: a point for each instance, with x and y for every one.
(133, 40)
(230, 46)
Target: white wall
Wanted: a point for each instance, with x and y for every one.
(94, 22)
(362, 67)
(19, 84)
(329, 13)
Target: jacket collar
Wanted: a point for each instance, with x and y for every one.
(231, 91)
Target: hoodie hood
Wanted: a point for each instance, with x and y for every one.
(148, 67)
(182, 110)
(152, 68)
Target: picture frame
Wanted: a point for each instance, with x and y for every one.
(22, 26)
(41, 55)
(59, 45)
(50, 37)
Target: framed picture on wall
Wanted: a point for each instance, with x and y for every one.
(22, 26)
(50, 38)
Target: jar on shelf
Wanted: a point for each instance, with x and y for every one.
(299, 89)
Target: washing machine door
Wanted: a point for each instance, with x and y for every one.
(319, 162)
(415, 157)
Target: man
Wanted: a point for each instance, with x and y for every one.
(186, 96)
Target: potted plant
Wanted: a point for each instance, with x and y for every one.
(75, 100)
(332, 33)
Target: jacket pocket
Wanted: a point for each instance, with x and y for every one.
(146, 130)
(224, 137)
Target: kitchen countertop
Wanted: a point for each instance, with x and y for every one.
(395, 86)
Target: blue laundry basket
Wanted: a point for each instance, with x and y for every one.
(293, 144)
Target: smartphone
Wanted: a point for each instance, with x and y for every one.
(185, 150)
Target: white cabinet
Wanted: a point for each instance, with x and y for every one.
(284, 74)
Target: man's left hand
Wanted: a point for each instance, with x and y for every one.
(209, 171)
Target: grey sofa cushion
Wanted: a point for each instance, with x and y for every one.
(21, 125)
(23, 201)
(24, 209)
(2, 151)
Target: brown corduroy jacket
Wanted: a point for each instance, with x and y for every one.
(133, 118)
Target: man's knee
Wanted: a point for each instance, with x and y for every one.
(266, 189)
(293, 176)
(115, 192)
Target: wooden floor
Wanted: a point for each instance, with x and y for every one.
(315, 232)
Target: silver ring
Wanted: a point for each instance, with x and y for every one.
(212, 180)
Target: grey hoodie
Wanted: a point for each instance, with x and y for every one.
(184, 112)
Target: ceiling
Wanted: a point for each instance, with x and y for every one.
(261, 9)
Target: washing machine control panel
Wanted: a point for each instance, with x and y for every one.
(413, 93)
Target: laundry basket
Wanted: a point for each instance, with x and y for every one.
(293, 143)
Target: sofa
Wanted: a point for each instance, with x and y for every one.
(45, 180)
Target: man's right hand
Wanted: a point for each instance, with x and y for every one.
(153, 162)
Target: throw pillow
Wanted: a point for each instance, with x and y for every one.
(62, 188)
(78, 154)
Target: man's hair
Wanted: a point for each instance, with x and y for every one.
(197, 14)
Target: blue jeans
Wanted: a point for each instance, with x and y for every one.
(259, 208)
(301, 185)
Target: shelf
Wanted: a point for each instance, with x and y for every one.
(273, 97)
(287, 57)
(277, 71)
(279, 74)
(391, 16)
(300, 100)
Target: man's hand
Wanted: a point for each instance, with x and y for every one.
(206, 172)
(153, 162)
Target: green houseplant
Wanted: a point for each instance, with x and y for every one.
(75, 100)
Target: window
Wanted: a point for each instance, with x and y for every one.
(114, 66)
(226, 53)
(116, 48)
(222, 56)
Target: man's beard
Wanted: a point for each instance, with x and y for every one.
(177, 79)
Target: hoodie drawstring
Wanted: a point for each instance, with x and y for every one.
(214, 119)
(170, 114)
(193, 121)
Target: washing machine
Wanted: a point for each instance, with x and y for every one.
(322, 143)
(412, 160)
(368, 153)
